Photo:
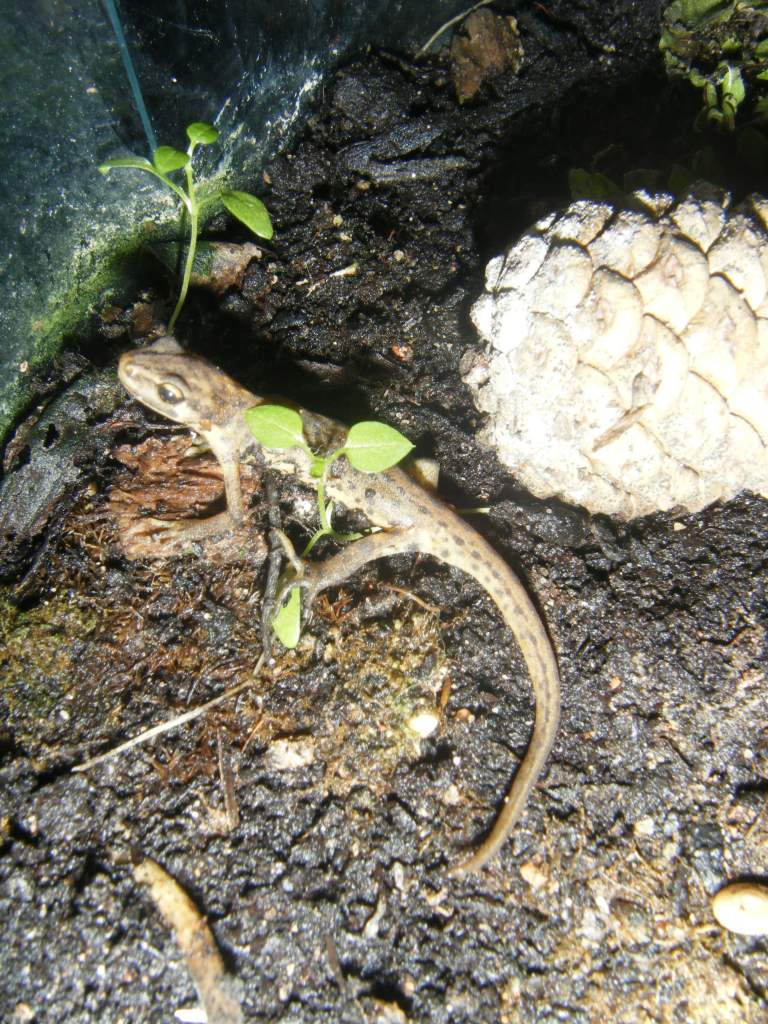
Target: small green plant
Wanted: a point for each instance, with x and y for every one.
(370, 447)
(721, 47)
(165, 161)
(723, 92)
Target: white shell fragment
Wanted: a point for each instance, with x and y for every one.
(625, 365)
(285, 755)
(742, 908)
(424, 723)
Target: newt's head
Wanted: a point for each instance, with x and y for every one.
(186, 388)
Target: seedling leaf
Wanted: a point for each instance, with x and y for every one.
(201, 134)
(287, 622)
(249, 211)
(732, 85)
(373, 447)
(166, 159)
(593, 185)
(137, 163)
(276, 426)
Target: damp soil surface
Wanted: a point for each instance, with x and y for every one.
(308, 820)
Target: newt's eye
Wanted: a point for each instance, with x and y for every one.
(169, 394)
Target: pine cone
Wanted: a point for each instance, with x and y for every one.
(626, 364)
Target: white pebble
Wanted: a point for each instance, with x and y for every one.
(742, 908)
(424, 723)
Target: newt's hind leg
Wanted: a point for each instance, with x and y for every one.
(339, 567)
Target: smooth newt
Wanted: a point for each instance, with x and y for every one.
(191, 391)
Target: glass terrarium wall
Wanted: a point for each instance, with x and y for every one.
(248, 66)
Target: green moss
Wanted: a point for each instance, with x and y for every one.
(38, 649)
(97, 271)
(721, 47)
(103, 267)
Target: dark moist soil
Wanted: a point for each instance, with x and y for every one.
(329, 897)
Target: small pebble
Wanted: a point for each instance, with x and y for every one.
(424, 723)
(742, 908)
(285, 755)
(533, 874)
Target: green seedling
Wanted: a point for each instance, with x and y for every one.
(722, 93)
(370, 447)
(721, 47)
(166, 161)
